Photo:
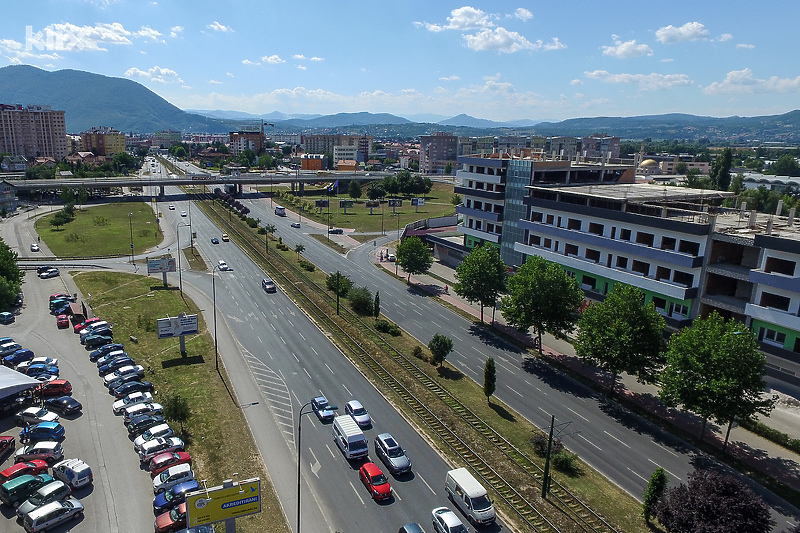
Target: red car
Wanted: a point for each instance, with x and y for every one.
(62, 321)
(172, 520)
(78, 327)
(6, 444)
(162, 461)
(32, 467)
(56, 387)
(376, 483)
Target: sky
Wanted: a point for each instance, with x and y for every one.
(502, 61)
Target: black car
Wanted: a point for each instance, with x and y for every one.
(43, 268)
(114, 364)
(141, 423)
(336, 231)
(104, 350)
(127, 378)
(65, 405)
(135, 386)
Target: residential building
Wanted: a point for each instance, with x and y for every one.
(600, 145)
(562, 147)
(668, 167)
(32, 131)
(103, 140)
(512, 143)
(246, 140)
(347, 165)
(436, 152)
(14, 163)
(8, 197)
(345, 152)
(166, 139)
(325, 144)
(313, 162)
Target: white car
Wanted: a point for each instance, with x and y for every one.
(34, 415)
(171, 207)
(171, 477)
(161, 430)
(223, 265)
(93, 326)
(131, 399)
(73, 472)
(445, 521)
(160, 445)
(146, 408)
(123, 371)
(34, 247)
(183, 213)
(391, 258)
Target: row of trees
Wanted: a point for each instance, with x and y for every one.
(401, 183)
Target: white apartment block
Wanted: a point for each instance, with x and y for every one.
(33, 131)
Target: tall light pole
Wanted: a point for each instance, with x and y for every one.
(214, 300)
(130, 224)
(178, 233)
(299, 424)
(398, 243)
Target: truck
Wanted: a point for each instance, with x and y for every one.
(470, 496)
(280, 210)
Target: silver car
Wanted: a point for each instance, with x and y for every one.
(392, 454)
(359, 414)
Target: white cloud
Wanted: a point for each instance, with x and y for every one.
(302, 67)
(248, 62)
(523, 14)
(188, 87)
(230, 74)
(745, 46)
(462, 18)
(450, 78)
(298, 56)
(691, 31)
(554, 44)
(155, 74)
(175, 31)
(576, 81)
(744, 82)
(146, 32)
(627, 49)
(273, 59)
(498, 40)
(646, 82)
(724, 37)
(492, 78)
(215, 82)
(666, 60)
(216, 26)
(16, 52)
(315, 58)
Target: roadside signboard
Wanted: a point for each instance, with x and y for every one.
(418, 201)
(372, 203)
(157, 266)
(394, 202)
(346, 204)
(177, 326)
(221, 503)
(321, 203)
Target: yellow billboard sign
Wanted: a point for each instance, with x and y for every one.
(222, 503)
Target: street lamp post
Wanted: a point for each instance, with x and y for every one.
(398, 239)
(178, 233)
(130, 223)
(214, 303)
(299, 424)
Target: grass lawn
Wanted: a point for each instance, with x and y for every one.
(216, 434)
(437, 204)
(102, 230)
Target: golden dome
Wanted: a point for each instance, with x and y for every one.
(648, 163)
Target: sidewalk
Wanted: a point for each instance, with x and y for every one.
(761, 454)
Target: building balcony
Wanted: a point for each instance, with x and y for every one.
(478, 213)
(464, 175)
(772, 279)
(479, 234)
(773, 316)
(479, 193)
(727, 303)
(667, 289)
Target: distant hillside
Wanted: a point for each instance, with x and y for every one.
(243, 115)
(95, 100)
(348, 119)
(471, 122)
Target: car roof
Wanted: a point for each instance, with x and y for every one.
(355, 404)
(372, 469)
(449, 517)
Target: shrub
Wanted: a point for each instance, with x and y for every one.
(539, 443)
(307, 265)
(252, 222)
(360, 300)
(345, 284)
(566, 462)
(384, 326)
(262, 230)
(281, 246)
(418, 353)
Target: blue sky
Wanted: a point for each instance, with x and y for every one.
(495, 60)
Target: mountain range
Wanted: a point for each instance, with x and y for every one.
(96, 100)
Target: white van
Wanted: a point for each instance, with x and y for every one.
(470, 496)
(73, 472)
(349, 437)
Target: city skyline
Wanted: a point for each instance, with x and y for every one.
(490, 60)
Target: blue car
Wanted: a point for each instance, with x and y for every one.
(97, 331)
(114, 364)
(60, 310)
(97, 340)
(173, 497)
(35, 370)
(20, 356)
(42, 431)
(103, 350)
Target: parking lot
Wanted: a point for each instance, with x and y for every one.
(120, 499)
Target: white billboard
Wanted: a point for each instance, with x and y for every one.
(157, 266)
(177, 326)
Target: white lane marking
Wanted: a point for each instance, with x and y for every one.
(295, 357)
(670, 473)
(330, 451)
(329, 368)
(301, 335)
(394, 492)
(313, 350)
(426, 483)
(665, 449)
(348, 390)
(637, 475)
(616, 439)
(590, 442)
(577, 414)
(307, 374)
(515, 392)
(358, 495)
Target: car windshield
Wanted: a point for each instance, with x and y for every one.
(481, 502)
(170, 495)
(397, 451)
(175, 514)
(40, 412)
(37, 499)
(378, 479)
(359, 411)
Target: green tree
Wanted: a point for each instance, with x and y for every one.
(376, 305)
(176, 409)
(448, 169)
(622, 334)
(391, 185)
(59, 219)
(786, 165)
(354, 189)
(339, 283)
(440, 347)
(720, 171)
(681, 168)
(655, 490)
(375, 190)
(269, 229)
(414, 256)
(360, 300)
(481, 277)
(489, 378)
(265, 161)
(543, 296)
(67, 195)
(10, 276)
(299, 248)
(715, 369)
(83, 196)
(180, 152)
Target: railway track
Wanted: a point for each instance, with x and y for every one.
(297, 286)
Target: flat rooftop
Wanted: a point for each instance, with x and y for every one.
(639, 192)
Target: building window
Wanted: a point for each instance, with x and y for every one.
(683, 278)
(682, 310)
(548, 243)
(625, 234)
(574, 224)
(592, 255)
(668, 243)
(773, 300)
(660, 304)
(663, 273)
(534, 240)
(646, 239)
(640, 267)
(550, 219)
(478, 225)
(490, 227)
(570, 249)
(779, 266)
(622, 262)
(588, 283)
(689, 247)
(595, 228)
(774, 337)
(536, 216)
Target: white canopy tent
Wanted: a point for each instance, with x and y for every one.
(12, 382)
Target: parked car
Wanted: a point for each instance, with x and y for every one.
(52, 514)
(77, 328)
(97, 340)
(161, 430)
(39, 369)
(56, 387)
(164, 460)
(158, 446)
(131, 399)
(20, 356)
(92, 325)
(175, 496)
(25, 365)
(392, 454)
(141, 423)
(66, 405)
(48, 451)
(6, 317)
(7, 444)
(375, 481)
(359, 414)
(145, 408)
(336, 231)
(391, 257)
(17, 490)
(445, 521)
(97, 332)
(322, 408)
(50, 273)
(54, 491)
(34, 415)
(128, 388)
(209, 528)
(111, 356)
(62, 321)
(58, 302)
(73, 472)
(34, 467)
(42, 431)
(63, 296)
(171, 477)
(127, 370)
(103, 350)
